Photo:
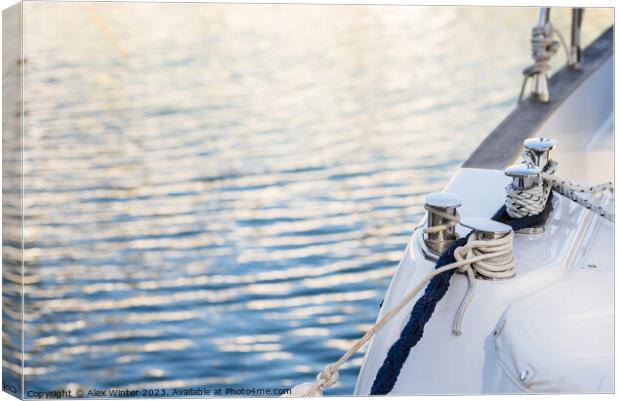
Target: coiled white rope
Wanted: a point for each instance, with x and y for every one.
(543, 48)
(498, 263)
(487, 258)
(532, 201)
(529, 202)
(526, 202)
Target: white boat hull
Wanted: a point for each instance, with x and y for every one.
(548, 329)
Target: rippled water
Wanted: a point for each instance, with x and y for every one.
(218, 195)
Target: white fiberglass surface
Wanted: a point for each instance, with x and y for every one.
(560, 339)
(568, 259)
(593, 162)
(470, 360)
(584, 128)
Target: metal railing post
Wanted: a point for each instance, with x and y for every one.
(540, 88)
(575, 38)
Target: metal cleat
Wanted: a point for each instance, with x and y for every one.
(537, 151)
(524, 176)
(439, 204)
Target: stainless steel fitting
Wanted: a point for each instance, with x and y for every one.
(486, 229)
(540, 87)
(437, 204)
(524, 176)
(537, 151)
(540, 52)
(575, 38)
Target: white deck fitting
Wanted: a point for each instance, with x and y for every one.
(558, 310)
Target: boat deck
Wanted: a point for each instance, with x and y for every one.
(550, 327)
(592, 161)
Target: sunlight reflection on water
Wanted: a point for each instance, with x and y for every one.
(219, 194)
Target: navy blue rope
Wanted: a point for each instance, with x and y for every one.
(517, 224)
(425, 306)
(414, 329)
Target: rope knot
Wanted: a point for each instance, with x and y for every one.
(327, 377)
(486, 258)
(543, 47)
(464, 268)
(490, 258)
(460, 254)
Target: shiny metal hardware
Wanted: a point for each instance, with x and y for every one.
(524, 374)
(575, 38)
(543, 46)
(446, 203)
(537, 151)
(540, 87)
(486, 229)
(524, 176)
(435, 243)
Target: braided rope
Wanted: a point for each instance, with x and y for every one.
(499, 265)
(412, 332)
(526, 202)
(489, 258)
(530, 202)
(521, 203)
(576, 186)
(571, 190)
(543, 48)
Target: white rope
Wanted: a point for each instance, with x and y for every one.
(453, 220)
(543, 48)
(487, 258)
(571, 190)
(564, 45)
(499, 264)
(576, 186)
(529, 202)
(526, 202)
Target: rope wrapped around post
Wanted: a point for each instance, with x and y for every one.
(521, 203)
(453, 220)
(543, 48)
(491, 258)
